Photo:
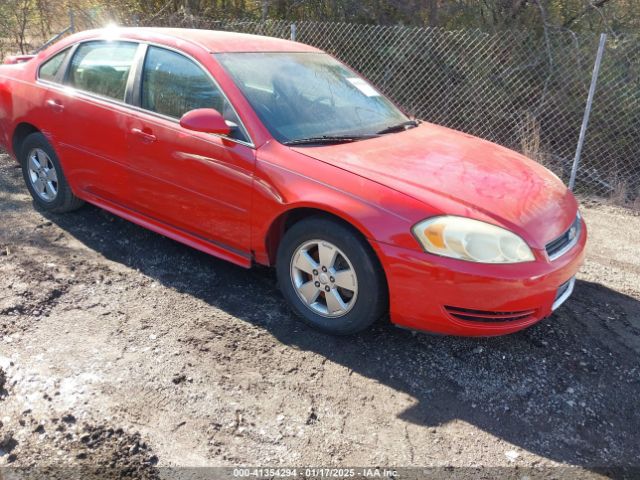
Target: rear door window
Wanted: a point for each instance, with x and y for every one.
(102, 68)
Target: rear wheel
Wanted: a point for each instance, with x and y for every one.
(331, 277)
(44, 177)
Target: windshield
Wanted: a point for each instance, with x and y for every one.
(309, 95)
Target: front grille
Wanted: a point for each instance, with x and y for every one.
(566, 241)
(486, 316)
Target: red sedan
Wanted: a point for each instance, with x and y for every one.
(260, 150)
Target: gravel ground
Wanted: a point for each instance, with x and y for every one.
(122, 351)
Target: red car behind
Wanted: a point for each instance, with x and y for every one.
(260, 150)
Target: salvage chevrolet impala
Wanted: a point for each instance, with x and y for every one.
(264, 151)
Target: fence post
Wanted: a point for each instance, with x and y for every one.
(72, 21)
(587, 111)
(293, 32)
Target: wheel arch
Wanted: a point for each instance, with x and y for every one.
(20, 133)
(286, 219)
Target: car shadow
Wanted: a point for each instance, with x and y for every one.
(566, 388)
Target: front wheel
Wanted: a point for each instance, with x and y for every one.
(331, 277)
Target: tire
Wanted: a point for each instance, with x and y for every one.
(345, 303)
(40, 180)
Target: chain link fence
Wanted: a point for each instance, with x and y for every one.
(523, 90)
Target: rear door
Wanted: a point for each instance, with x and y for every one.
(89, 117)
(50, 74)
(195, 181)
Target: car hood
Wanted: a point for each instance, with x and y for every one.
(456, 173)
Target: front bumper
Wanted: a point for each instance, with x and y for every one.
(449, 296)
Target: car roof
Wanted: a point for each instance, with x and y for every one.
(215, 41)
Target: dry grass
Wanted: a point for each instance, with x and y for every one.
(529, 133)
(623, 195)
(619, 194)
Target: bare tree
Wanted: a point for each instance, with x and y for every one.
(15, 20)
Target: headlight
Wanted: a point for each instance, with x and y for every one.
(472, 240)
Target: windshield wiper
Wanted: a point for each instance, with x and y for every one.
(400, 127)
(328, 139)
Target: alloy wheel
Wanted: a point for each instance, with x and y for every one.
(324, 278)
(43, 175)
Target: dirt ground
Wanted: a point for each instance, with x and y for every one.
(123, 351)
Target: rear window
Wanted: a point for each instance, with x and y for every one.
(49, 69)
(103, 68)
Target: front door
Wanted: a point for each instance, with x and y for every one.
(197, 182)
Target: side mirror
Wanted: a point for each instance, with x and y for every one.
(207, 120)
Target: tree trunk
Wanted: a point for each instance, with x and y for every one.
(432, 12)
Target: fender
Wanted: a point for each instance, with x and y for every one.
(376, 211)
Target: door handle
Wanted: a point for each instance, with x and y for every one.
(144, 136)
(55, 105)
